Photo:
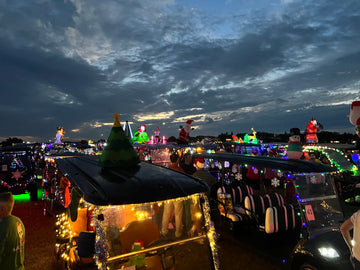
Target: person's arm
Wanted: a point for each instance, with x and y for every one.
(345, 229)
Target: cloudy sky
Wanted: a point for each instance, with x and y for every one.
(227, 64)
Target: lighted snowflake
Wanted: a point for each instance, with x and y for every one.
(275, 182)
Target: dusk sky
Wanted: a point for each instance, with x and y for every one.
(229, 65)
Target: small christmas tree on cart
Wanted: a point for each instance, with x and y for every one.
(119, 153)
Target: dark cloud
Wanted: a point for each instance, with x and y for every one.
(229, 66)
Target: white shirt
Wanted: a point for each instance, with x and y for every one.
(355, 219)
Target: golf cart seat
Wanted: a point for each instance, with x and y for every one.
(255, 205)
(280, 218)
(238, 192)
(273, 199)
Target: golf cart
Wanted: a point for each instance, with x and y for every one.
(17, 173)
(123, 219)
(289, 211)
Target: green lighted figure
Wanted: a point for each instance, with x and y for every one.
(251, 138)
(140, 136)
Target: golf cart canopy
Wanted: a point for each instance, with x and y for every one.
(291, 165)
(147, 183)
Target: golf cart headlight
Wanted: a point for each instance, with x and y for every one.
(328, 252)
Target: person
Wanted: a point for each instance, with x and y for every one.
(202, 174)
(173, 208)
(12, 235)
(174, 165)
(352, 223)
(187, 164)
(157, 135)
(314, 158)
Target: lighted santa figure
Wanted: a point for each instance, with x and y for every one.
(185, 132)
(311, 129)
(140, 136)
(355, 116)
(294, 150)
(59, 135)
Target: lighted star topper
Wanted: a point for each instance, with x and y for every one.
(17, 175)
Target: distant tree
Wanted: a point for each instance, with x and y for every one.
(224, 136)
(171, 139)
(11, 141)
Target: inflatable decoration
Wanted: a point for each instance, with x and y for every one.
(355, 116)
(118, 153)
(251, 138)
(140, 136)
(294, 150)
(59, 135)
(236, 139)
(185, 132)
(312, 127)
(127, 130)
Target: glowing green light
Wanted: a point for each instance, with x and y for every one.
(22, 197)
(26, 196)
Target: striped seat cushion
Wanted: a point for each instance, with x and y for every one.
(238, 192)
(280, 218)
(254, 204)
(273, 199)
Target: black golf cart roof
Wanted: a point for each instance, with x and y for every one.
(291, 165)
(147, 183)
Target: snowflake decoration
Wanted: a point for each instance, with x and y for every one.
(275, 182)
(238, 176)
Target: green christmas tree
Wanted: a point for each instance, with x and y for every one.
(119, 153)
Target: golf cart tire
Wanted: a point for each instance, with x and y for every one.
(307, 265)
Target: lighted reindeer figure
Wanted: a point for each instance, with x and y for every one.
(251, 138)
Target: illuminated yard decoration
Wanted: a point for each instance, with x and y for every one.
(311, 129)
(140, 136)
(60, 133)
(251, 138)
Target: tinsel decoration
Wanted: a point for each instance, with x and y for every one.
(212, 236)
(101, 245)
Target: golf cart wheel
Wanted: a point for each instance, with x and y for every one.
(307, 266)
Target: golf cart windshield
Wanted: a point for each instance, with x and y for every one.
(146, 234)
(319, 201)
